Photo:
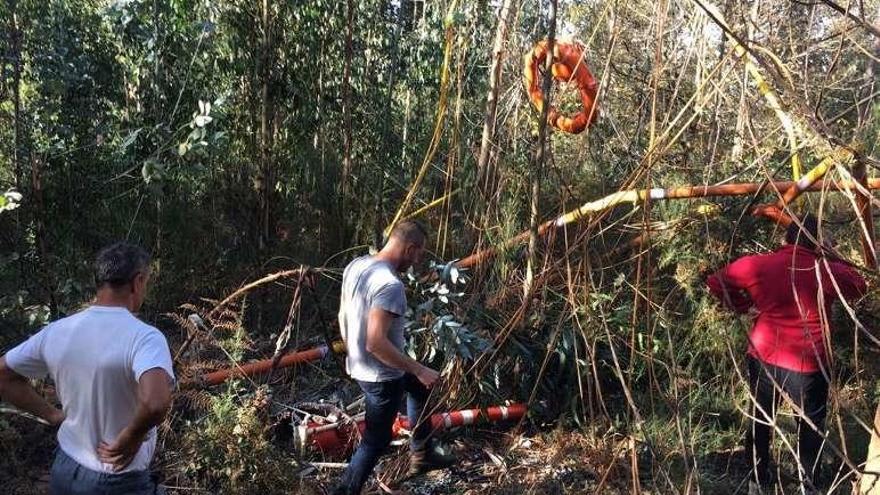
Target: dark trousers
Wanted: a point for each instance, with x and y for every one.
(382, 401)
(68, 477)
(809, 391)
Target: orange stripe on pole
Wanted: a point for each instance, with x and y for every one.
(263, 366)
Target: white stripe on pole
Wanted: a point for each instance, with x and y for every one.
(804, 182)
(467, 417)
(447, 420)
(657, 193)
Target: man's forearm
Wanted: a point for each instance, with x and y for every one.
(20, 393)
(393, 357)
(144, 419)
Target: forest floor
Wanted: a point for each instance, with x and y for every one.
(556, 462)
(490, 461)
(554, 457)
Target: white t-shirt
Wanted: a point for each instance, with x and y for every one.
(96, 358)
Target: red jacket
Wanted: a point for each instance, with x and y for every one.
(786, 287)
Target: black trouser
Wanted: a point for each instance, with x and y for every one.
(809, 391)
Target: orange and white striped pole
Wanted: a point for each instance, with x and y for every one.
(465, 417)
(338, 439)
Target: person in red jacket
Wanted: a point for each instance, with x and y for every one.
(791, 290)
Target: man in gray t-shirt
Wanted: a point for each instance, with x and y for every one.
(370, 282)
(371, 312)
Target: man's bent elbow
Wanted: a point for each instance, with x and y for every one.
(157, 408)
(156, 402)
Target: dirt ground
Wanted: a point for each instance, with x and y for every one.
(491, 461)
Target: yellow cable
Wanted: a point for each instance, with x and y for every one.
(432, 204)
(438, 127)
(773, 100)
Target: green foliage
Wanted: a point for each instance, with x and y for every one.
(434, 331)
(10, 200)
(229, 450)
(212, 133)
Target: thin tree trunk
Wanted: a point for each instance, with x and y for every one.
(16, 35)
(865, 218)
(742, 114)
(16, 92)
(405, 134)
(346, 104)
(387, 134)
(484, 171)
(344, 185)
(863, 202)
(40, 234)
(156, 100)
(870, 482)
(537, 168)
(265, 132)
(322, 180)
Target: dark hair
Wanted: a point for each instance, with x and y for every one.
(803, 237)
(118, 264)
(410, 231)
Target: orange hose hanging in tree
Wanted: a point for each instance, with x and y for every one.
(568, 66)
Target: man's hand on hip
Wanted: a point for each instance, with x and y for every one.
(121, 452)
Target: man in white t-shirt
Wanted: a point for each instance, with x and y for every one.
(113, 376)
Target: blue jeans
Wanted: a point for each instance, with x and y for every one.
(68, 477)
(382, 401)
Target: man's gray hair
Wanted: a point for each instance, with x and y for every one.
(118, 264)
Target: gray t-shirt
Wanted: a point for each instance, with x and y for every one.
(369, 283)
